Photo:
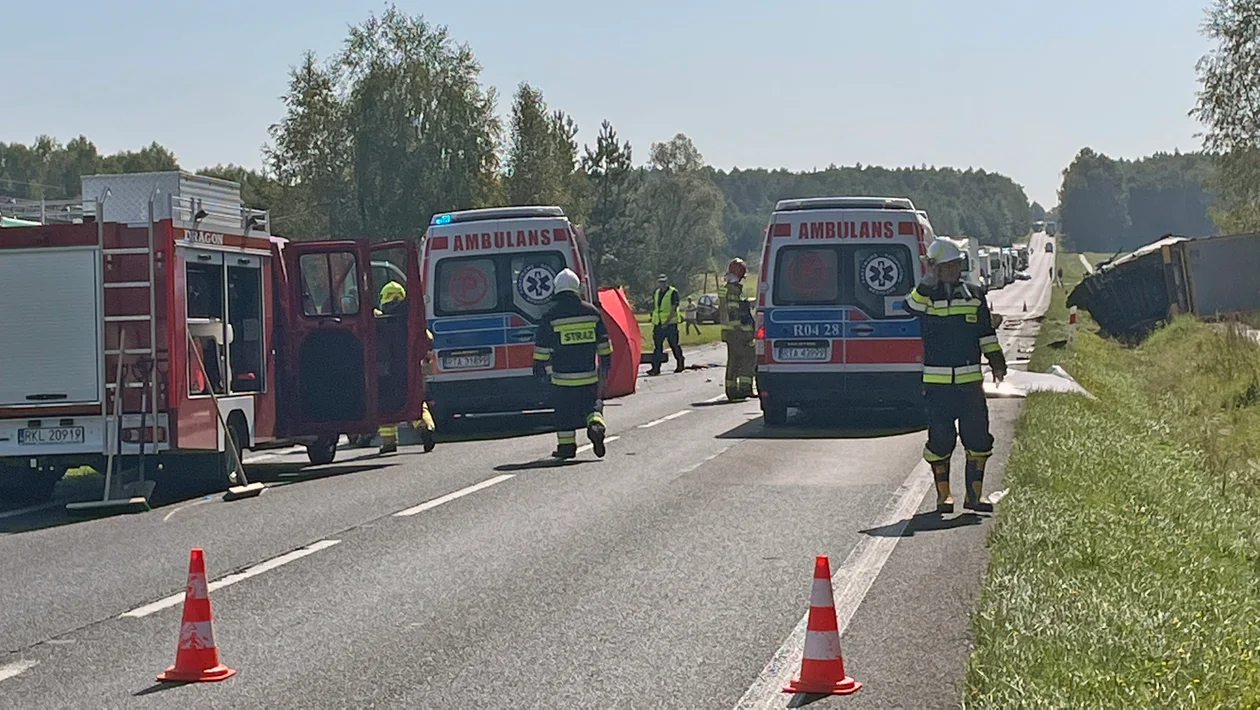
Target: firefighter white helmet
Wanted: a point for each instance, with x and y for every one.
(943, 251)
(568, 281)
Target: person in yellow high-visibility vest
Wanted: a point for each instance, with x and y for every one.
(665, 316)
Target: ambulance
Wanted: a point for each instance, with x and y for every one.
(488, 278)
(832, 328)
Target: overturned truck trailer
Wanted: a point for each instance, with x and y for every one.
(1206, 276)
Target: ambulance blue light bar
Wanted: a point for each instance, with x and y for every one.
(493, 213)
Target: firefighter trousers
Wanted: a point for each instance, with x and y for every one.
(389, 432)
(741, 363)
(576, 408)
(956, 411)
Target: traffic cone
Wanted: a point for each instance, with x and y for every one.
(196, 657)
(822, 665)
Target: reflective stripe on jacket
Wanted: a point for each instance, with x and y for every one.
(570, 336)
(957, 331)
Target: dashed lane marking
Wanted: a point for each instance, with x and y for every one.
(852, 581)
(12, 670)
(254, 571)
(664, 419)
(429, 505)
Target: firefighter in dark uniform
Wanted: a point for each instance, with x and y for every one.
(571, 337)
(737, 333)
(957, 330)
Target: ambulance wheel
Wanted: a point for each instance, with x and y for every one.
(775, 412)
(323, 451)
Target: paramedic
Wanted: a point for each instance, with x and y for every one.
(956, 329)
(737, 332)
(571, 336)
(665, 324)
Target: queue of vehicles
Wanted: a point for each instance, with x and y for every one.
(181, 331)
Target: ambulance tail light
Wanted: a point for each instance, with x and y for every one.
(759, 342)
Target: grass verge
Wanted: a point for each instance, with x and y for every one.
(709, 333)
(1125, 568)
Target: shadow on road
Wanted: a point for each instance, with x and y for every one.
(538, 464)
(847, 424)
(924, 522)
(173, 490)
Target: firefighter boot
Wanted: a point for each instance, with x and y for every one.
(566, 447)
(389, 438)
(595, 432)
(426, 427)
(975, 484)
(940, 474)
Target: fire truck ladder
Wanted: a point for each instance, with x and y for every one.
(144, 370)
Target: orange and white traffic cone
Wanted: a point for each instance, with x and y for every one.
(196, 657)
(822, 665)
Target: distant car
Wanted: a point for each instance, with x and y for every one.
(1021, 276)
(707, 308)
(1049, 247)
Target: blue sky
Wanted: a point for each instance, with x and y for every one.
(1012, 86)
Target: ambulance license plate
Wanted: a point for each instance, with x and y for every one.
(467, 360)
(803, 351)
(41, 436)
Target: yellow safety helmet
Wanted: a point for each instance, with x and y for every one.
(392, 291)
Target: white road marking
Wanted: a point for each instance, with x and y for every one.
(254, 571)
(260, 457)
(711, 400)
(429, 505)
(851, 581)
(30, 509)
(12, 670)
(587, 447)
(207, 499)
(662, 420)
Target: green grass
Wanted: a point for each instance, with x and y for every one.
(709, 333)
(1125, 567)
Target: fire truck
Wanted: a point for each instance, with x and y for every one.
(168, 324)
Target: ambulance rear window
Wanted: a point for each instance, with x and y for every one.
(807, 276)
(467, 285)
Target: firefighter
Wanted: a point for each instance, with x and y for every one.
(393, 301)
(571, 336)
(957, 330)
(737, 333)
(665, 302)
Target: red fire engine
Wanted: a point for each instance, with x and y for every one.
(292, 349)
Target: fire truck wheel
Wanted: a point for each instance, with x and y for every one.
(323, 451)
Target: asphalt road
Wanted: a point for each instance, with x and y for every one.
(673, 573)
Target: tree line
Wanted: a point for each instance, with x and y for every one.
(397, 127)
(1110, 205)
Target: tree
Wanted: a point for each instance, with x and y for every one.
(680, 210)
(1229, 105)
(394, 129)
(1038, 212)
(543, 155)
(615, 244)
(1093, 201)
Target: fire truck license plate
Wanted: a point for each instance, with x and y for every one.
(474, 361)
(50, 435)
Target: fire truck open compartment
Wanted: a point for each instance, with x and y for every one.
(181, 294)
(49, 303)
